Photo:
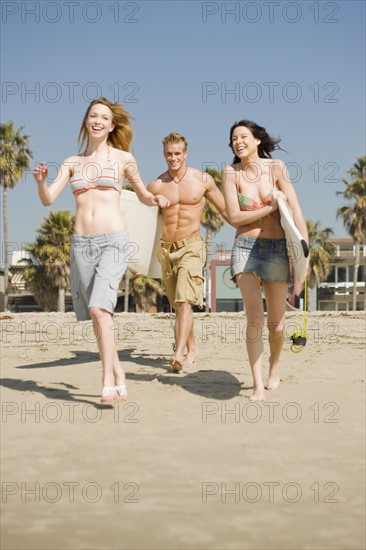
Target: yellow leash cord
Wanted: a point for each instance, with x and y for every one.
(299, 336)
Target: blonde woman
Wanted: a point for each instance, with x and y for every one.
(100, 243)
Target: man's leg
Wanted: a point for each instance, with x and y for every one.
(191, 345)
(188, 290)
(183, 331)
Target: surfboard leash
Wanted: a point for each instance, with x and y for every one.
(299, 336)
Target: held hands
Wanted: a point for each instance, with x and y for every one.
(161, 201)
(40, 173)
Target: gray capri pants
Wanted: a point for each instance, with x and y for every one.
(98, 263)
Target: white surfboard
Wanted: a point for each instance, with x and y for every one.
(144, 227)
(298, 248)
(155, 267)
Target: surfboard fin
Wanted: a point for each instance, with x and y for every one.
(305, 248)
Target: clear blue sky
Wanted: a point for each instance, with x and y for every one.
(295, 67)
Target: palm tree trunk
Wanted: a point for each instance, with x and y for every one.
(6, 260)
(127, 291)
(208, 268)
(355, 274)
(364, 288)
(61, 300)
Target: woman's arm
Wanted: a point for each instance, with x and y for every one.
(237, 217)
(48, 194)
(131, 172)
(214, 195)
(283, 181)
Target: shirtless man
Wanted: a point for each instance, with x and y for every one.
(182, 252)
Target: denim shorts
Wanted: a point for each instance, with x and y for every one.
(98, 263)
(266, 258)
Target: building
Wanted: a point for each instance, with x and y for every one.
(225, 295)
(2, 288)
(21, 298)
(335, 294)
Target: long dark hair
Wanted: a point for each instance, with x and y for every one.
(267, 144)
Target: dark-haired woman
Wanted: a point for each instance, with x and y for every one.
(252, 185)
(100, 241)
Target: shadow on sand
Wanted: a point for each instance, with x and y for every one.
(213, 384)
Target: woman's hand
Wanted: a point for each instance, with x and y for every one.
(161, 201)
(276, 194)
(40, 173)
(49, 193)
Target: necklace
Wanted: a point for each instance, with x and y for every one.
(180, 178)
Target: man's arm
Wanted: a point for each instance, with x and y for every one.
(153, 186)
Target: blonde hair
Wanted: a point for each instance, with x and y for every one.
(121, 135)
(174, 137)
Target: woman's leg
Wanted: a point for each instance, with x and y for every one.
(113, 374)
(250, 289)
(109, 271)
(275, 294)
(119, 375)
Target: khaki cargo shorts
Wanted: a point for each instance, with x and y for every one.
(181, 265)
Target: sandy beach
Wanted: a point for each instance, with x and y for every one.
(188, 462)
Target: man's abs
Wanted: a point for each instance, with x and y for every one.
(181, 222)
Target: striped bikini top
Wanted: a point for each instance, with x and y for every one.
(107, 179)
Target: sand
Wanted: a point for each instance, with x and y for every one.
(188, 462)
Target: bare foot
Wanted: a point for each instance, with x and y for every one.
(176, 364)
(109, 394)
(258, 395)
(273, 378)
(119, 378)
(190, 357)
(122, 392)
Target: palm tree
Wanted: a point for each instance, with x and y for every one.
(212, 221)
(145, 290)
(354, 215)
(50, 257)
(321, 252)
(14, 159)
(37, 279)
